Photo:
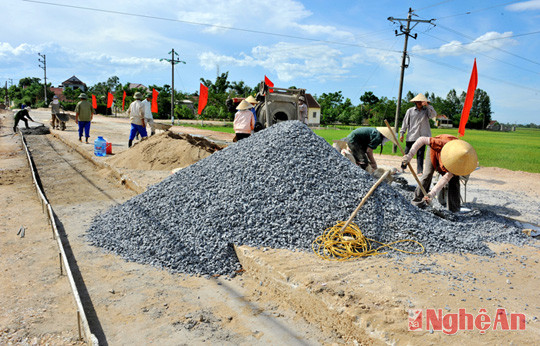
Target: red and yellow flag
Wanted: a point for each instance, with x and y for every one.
(203, 98)
(154, 101)
(269, 83)
(473, 82)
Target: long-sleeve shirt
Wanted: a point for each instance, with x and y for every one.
(303, 113)
(55, 107)
(435, 144)
(416, 122)
(244, 121)
(136, 112)
(148, 111)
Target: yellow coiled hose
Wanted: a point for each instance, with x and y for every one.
(337, 245)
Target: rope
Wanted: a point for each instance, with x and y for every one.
(334, 245)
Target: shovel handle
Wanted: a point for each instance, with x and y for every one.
(408, 164)
(363, 201)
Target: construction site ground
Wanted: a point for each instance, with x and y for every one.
(283, 297)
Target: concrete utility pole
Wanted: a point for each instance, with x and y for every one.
(407, 32)
(173, 61)
(44, 67)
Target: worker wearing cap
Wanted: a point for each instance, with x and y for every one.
(84, 113)
(137, 114)
(24, 115)
(55, 109)
(244, 121)
(302, 110)
(148, 116)
(452, 158)
(416, 125)
(364, 140)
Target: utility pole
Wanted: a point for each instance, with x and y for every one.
(173, 61)
(407, 32)
(44, 67)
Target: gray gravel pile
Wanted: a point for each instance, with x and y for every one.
(279, 188)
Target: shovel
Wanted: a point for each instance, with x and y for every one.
(394, 139)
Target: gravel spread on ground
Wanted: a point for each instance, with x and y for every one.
(279, 188)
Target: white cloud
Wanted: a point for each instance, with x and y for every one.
(487, 42)
(525, 6)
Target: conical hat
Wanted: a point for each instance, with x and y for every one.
(419, 98)
(387, 133)
(251, 99)
(459, 157)
(244, 105)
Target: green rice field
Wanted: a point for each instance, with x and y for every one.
(517, 151)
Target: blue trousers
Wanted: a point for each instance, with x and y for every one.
(137, 129)
(86, 126)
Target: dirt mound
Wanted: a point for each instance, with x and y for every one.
(165, 151)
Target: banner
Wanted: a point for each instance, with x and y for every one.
(110, 98)
(269, 83)
(123, 101)
(203, 98)
(473, 82)
(94, 102)
(154, 101)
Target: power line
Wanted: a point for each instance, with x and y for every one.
(475, 52)
(438, 62)
(430, 6)
(480, 10)
(497, 48)
(203, 24)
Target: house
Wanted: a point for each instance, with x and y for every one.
(59, 92)
(314, 111)
(137, 86)
(73, 83)
(442, 121)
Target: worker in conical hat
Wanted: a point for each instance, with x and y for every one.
(416, 125)
(450, 157)
(364, 140)
(244, 121)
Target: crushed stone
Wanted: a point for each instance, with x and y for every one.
(279, 188)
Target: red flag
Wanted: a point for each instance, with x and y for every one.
(154, 101)
(203, 98)
(94, 102)
(473, 82)
(124, 100)
(110, 99)
(269, 83)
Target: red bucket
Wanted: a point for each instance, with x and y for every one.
(108, 148)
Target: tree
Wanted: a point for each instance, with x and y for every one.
(241, 89)
(480, 115)
(330, 106)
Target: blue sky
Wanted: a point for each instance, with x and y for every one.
(322, 46)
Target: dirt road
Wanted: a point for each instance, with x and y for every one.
(283, 298)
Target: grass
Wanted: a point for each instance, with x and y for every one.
(517, 151)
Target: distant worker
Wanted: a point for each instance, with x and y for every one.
(84, 114)
(148, 116)
(452, 158)
(244, 121)
(137, 115)
(302, 110)
(363, 141)
(254, 103)
(56, 123)
(416, 125)
(24, 115)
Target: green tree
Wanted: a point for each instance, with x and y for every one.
(330, 106)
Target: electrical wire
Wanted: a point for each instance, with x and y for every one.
(204, 24)
(480, 10)
(335, 245)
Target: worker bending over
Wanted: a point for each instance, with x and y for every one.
(452, 158)
(24, 115)
(364, 140)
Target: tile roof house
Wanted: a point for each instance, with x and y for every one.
(73, 83)
(314, 111)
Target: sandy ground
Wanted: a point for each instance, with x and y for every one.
(283, 297)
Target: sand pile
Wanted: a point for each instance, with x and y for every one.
(165, 151)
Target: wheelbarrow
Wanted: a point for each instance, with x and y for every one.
(62, 118)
